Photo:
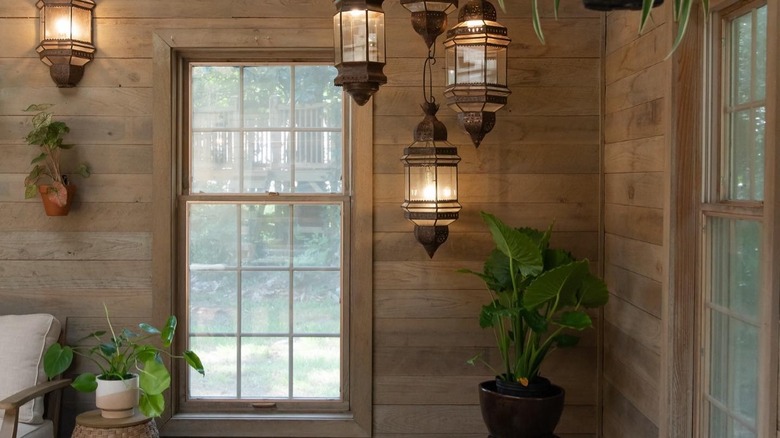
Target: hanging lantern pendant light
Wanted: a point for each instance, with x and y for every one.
(431, 188)
(476, 54)
(359, 37)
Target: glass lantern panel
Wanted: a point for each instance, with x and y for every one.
(422, 183)
(337, 36)
(470, 65)
(353, 36)
(376, 36)
(81, 25)
(450, 61)
(496, 65)
(57, 25)
(447, 179)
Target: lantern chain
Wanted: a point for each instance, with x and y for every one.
(427, 82)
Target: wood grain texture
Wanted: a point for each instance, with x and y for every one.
(541, 163)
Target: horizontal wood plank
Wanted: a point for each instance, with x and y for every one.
(642, 258)
(639, 223)
(641, 155)
(93, 217)
(75, 275)
(634, 189)
(75, 246)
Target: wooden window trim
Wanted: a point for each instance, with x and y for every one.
(170, 46)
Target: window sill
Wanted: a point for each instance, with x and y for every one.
(265, 425)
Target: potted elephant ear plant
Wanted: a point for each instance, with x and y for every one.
(132, 373)
(538, 301)
(47, 135)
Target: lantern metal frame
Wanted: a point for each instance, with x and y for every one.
(429, 17)
(477, 93)
(361, 73)
(65, 46)
(431, 209)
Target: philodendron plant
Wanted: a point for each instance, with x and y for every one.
(47, 135)
(122, 354)
(538, 297)
(682, 13)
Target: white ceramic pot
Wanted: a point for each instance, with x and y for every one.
(117, 398)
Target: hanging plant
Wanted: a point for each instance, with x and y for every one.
(682, 14)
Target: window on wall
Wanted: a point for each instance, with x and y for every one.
(266, 260)
(734, 287)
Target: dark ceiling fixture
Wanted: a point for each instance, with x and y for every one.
(611, 5)
(359, 36)
(429, 17)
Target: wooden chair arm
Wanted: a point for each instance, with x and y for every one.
(17, 400)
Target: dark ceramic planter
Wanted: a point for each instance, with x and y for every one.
(611, 5)
(508, 416)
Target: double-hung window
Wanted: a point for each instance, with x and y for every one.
(272, 255)
(736, 289)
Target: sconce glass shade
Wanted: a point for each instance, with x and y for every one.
(359, 36)
(66, 38)
(431, 181)
(429, 17)
(476, 52)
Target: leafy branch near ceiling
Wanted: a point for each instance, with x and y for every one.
(682, 14)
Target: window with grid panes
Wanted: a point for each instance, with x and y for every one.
(266, 207)
(734, 287)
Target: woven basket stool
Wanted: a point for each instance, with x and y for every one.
(92, 425)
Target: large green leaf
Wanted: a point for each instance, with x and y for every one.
(534, 320)
(154, 378)
(194, 361)
(149, 328)
(108, 348)
(86, 382)
(556, 257)
(496, 272)
(491, 313)
(168, 331)
(515, 245)
(576, 320)
(593, 292)
(57, 359)
(558, 282)
(151, 405)
(564, 341)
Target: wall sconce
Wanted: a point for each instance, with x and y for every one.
(429, 17)
(66, 38)
(359, 36)
(476, 68)
(431, 176)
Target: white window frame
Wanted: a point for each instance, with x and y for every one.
(172, 49)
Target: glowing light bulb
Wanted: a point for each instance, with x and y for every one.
(62, 28)
(429, 192)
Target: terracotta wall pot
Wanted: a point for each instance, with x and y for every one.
(507, 416)
(51, 207)
(117, 398)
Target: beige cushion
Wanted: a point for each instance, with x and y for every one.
(23, 340)
(43, 430)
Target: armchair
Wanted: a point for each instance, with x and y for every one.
(23, 384)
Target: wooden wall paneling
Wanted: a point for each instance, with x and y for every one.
(631, 156)
(74, 246)
(636, 289)
(568, 216)
(622, 419)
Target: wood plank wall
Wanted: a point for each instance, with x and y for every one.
(540, 163)
(634, 253)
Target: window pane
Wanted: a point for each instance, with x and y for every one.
(219, 359)
(317, 235)
(761, 38)
(318, 162)
(213, 302)
(742, 51)
(317, 302)
(317, 101)
(741, 156)
(719, 357)
(736, 265)
(265, 305)
(215, 162)
(213, 235)
(316, 367)
(743, 353)
(216, 97)
(267, 96)
(265, 235)
(264, 368)
(719, 423)
(267, 164)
